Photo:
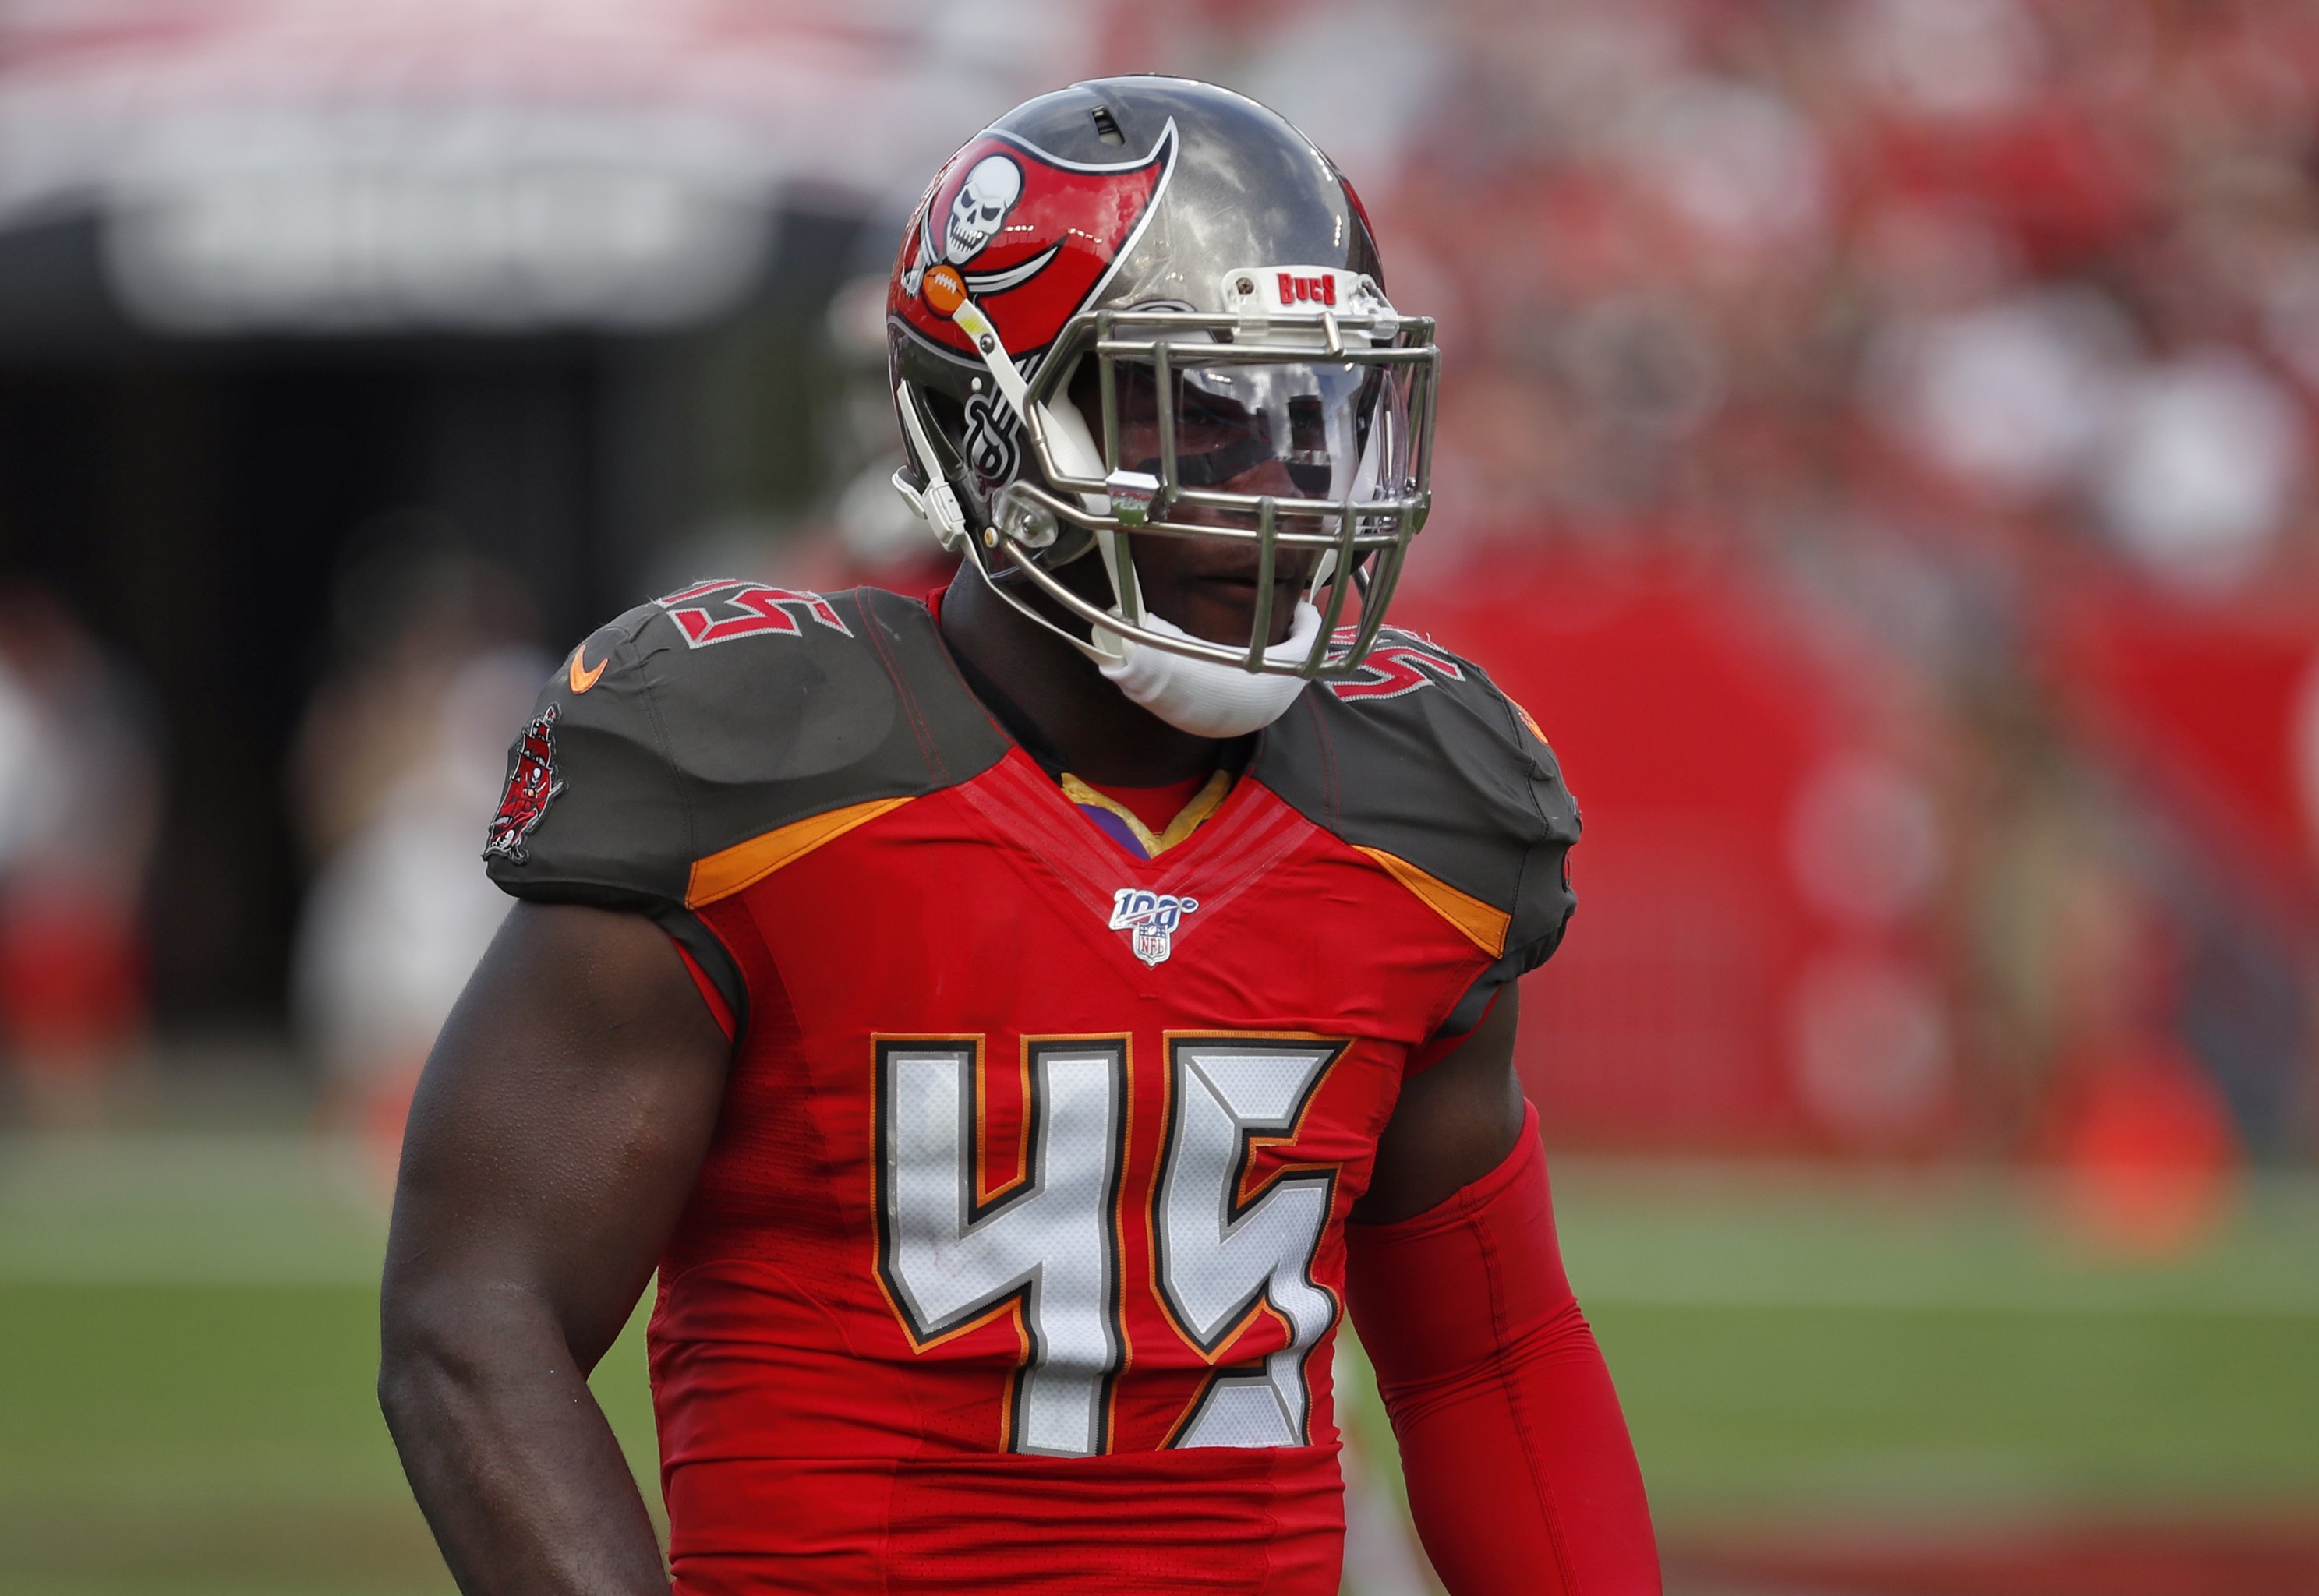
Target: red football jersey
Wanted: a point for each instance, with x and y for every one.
(1017, 1259)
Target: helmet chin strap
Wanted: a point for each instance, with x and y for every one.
(1204, 697)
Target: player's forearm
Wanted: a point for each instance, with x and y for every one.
(511, 1457)
(1522, 1477)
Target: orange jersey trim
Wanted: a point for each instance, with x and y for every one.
(744, 864)
(1481, 925)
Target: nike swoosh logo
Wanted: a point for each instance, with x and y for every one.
(582, 680)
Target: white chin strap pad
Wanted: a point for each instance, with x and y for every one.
(1202, 697)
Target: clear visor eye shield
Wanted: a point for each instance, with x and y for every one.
(1309, 395)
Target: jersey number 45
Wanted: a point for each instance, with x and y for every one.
(1048, 1245)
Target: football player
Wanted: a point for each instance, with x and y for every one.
(1016, 1025)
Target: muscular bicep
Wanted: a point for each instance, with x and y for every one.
(559, 1124)
(1453, 1125)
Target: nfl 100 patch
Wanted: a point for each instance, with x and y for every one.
(1153, 917)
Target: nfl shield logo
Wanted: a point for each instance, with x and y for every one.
(1152, 917)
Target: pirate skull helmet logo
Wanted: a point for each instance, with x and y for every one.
(992, 189)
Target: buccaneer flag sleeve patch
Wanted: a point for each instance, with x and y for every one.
(531, 786)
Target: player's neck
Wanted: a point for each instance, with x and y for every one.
(1100, 735)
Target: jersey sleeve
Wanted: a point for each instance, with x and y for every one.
(1449, 785)
(1541, 825)
(594, 810)
(694, 724)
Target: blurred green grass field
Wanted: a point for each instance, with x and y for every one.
(187, 1332)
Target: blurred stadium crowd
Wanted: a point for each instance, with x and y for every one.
(1963, 346)
(1946, 364)
(1878, 444)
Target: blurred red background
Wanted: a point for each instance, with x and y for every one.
(1877, 445)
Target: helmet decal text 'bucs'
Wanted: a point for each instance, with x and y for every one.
(723, 608)
(531, 786)
(1020, 216)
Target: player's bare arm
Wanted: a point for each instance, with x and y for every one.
(1452, 1125)
(555, 1134)
(1520, 1474)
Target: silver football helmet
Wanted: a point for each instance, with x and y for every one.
(1160, 263)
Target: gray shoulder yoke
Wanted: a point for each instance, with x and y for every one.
(1424, 763)
(697, 723)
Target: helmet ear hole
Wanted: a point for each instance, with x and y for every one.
(948, 413)
(951, 432)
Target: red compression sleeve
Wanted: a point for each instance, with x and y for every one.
(1521, 1477)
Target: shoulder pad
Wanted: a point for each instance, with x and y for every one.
(718, 713)
(1423, 764)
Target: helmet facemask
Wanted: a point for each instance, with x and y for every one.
(1326, 403)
